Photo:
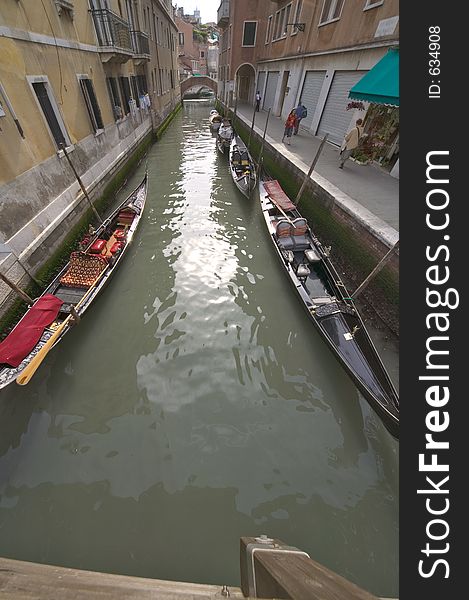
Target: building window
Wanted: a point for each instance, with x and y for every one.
(114, 96)
(249, 33)
(91, 102)
(331, 11)
(181, 39)
(299, 5)
(50, 110)
(372, 4)
(287, 18)
(125, 91)
(276, 22)
(202, 54)
(269, 30)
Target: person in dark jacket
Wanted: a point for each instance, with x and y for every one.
(258, 100)
(301, 112)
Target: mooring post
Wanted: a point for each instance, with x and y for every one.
(16, 289)
(261, 152)
(271, 569)
(83, 189)
(308, 175)
(386, 258)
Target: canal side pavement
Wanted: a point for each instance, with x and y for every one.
(375, 191)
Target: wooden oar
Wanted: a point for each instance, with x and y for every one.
(281, 210)
(25, 376)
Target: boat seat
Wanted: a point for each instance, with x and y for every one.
(293, 238)
(98, 246)
(312, 256)
(302, 271)
(126, 217)
(323, 300)
(83, 269)
(299, 226)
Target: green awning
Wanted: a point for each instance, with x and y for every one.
(381, 84)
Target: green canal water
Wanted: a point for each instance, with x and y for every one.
(194, 404)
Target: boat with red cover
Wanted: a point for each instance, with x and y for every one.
(327, 302)
(73, 290)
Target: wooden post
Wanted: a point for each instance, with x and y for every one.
(235, 108)
(271, 569)
(16, 289)
(80, 182)
(308, 175)
(375, 271)
(261, 152)
(4, 248)
(252, 127)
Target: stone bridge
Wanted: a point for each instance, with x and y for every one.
(197, 83)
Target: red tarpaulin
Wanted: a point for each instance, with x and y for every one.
(16, 346)
(277, 195)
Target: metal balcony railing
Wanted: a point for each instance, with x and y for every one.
(140, 43)
(223, 15)
(111, 30)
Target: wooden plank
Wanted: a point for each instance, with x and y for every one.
(21, 580)
(281, 571)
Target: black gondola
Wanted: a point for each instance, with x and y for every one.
(242, 167)
(327, 301)
(72, 291)
(224, 136)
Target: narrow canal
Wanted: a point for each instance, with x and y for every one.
(195, 403)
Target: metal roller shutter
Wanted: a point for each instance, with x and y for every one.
(335, 119)
(310, 94)
(261, 82)
(271, 88)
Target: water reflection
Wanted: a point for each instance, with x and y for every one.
(196, 398)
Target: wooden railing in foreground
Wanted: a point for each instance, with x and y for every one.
(269, 569)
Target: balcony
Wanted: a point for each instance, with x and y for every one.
(223, 13)
(113, 33)
(141, 47)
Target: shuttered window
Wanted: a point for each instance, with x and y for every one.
(125, 91)
(249, 33)
(56, 128)
(91, 104)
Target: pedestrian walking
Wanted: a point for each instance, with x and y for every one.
(289, 126)
(258, 100)
(351, 141)
(301, 112)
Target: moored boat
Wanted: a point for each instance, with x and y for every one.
(72, 292)
(224, 136)
(242, 167)
(327, 301)
(215, 120)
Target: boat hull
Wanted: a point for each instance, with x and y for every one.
(82, 297)
(242, 167)
(337, 320)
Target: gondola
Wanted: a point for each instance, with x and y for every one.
(215, 120)
(224, 136)
(72, 292)
(242, 167)
(327, 301)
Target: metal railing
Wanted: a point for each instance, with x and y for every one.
(111, 30)
(140, 43)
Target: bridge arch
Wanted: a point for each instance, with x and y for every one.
(198, 82)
